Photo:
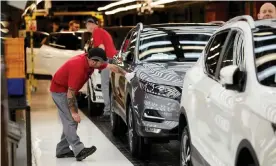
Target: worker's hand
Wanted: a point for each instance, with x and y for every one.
(76, 117)
(129, 76)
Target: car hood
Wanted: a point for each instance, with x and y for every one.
(171, 73)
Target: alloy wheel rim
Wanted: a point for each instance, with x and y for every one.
(130, 129)
(186, 151)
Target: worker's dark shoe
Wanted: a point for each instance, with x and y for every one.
(105, 117)
(66, 155)
(85, 153)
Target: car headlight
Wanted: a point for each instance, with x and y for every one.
(161, 90)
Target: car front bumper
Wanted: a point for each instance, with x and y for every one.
(157, 117)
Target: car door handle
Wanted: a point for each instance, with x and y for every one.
(190, 87)
(208, 99)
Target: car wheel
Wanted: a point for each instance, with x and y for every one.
(137, 145)
(117, 126)
(185, 151)
(94, 109)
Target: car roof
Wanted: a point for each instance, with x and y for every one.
(181, 28)
(183, 24)
(254, 24)
(265, 23)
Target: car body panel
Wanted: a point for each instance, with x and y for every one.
(220, 119)
(38, 69)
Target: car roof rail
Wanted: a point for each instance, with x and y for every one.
(268, 22)
(246, 18)
(140, 26)
(217, 22)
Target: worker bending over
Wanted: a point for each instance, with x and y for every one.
(66, 83)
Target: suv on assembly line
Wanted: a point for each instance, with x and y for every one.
(148, 108)
(228, 110)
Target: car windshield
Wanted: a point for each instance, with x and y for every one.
(265, 53)
(172, 45)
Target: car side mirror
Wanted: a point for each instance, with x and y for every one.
(232, 78)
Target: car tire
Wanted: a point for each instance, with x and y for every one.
(94, 109)
(185, 148)
(138, 146)
(118, 127)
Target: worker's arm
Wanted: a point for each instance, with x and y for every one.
(116, 69)
(74, 77)
(71, 99)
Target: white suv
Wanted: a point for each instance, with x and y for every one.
(228, 105)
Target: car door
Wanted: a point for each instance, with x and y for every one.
(223, 101)
(58, 49)
(125, 61)
(204, 135)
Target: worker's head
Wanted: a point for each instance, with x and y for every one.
(55, 24)
(74, 25)
(96, 57)
(91, 24)
(267, 11)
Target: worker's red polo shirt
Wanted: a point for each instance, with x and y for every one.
(74, 74)
(101, 36)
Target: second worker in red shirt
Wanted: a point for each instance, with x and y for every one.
(102, 39)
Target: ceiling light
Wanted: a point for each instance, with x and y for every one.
(115, 4)
(161, 2)
(123, 9)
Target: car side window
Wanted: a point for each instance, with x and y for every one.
(126, 43)
(229, 51)
(38, 37)
(128, 46)
(131, 46)
(70, 41)
(239, 59)
(66, 41)
(234, 54)
(52, 40)
(214, 52)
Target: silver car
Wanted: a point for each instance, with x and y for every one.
(148, 107)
